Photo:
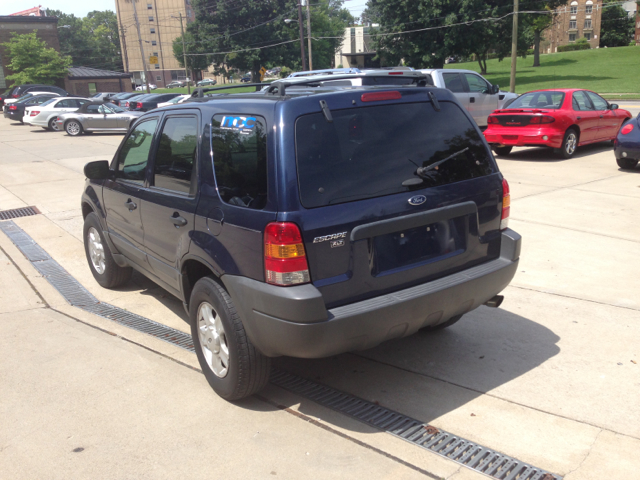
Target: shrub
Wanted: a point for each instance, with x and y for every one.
(285, 72)
(574, 46)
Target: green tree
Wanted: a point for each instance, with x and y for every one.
(616, 27)
(34, 62)
(535, 24)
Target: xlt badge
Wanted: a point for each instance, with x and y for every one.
(334, 236)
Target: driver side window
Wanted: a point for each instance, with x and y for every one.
(476, 84)
(134, 155)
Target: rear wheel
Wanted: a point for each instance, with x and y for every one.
(502, 151)
(569, 143)
(73, 128)
(230, 363)
(627, 163)
(53, 126)
(443, 325)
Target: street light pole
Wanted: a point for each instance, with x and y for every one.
(514, 47)
(309, 34)
(301, 35)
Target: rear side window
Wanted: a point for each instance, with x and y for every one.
(95, 109)
(453, 82)
(175, 159)
(369, 152)
(239, 145)
(133, 157)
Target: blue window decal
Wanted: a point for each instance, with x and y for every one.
(241, 124)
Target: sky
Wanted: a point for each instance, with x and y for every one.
(80, 9)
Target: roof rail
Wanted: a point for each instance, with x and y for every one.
(281, 85)
(199, 92)
(326, 71)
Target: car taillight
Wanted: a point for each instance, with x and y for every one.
(626, 129)
(12, 107)
(506, 205)
(126, 104)
(285, 261)
(542, 119)
(34, 113)
(15, 95)
(492, 119)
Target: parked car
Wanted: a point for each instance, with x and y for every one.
(19, 90)
(151, 101)
(245, 79)
(626, 146)
(174, 101)
(561, 118)
(116, 99)
(103, 96)
(176, 84)
(381, 212)
(15, 111)
(124, 103)
(473, 91)
(46, 114)
(27, 96)
(142, 88)
(207, 82)
(96, 117)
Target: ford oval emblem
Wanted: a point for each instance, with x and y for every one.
(417, 200)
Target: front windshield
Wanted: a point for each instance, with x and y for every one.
(48, 102)
(114, 108)
(546, 99)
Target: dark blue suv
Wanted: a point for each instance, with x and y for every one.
(306, 219)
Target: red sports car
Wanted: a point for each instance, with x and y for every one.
(562, 118)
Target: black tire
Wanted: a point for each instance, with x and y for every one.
(443, 325)
(247, 370)
(502, 151)
(627, 163)
(52, 125)
(112, 275)
(569, 143)
(73, 128)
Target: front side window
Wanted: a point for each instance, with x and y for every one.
(93, 109)
(176, 157)
(453, 82)
(133, 157)
(476, 84)
(113, 108)
(598, 102)
(548, 99)
(376, 151)
(239, 145)
(581, 102)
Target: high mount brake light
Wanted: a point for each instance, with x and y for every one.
(506, 205)
(380, 96)
(285, 261)
(396, 73)
(626, 129)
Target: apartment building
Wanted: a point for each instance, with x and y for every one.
(159, 27)
(577, 19)
(356, 49)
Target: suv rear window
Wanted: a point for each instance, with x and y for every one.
(369, 152)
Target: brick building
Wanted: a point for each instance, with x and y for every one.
(577, 19)
(46, 29)
(86, 81)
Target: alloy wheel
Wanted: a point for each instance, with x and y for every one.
(570, 144)
(213, 340)
(96, 250)
(73, 128)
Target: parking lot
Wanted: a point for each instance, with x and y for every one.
(551, 378)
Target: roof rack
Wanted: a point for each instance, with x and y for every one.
(199, 92)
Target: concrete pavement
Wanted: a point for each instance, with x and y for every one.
(548, 378)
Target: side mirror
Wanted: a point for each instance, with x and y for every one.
(98, 170)
(495, 89)
(613, 106)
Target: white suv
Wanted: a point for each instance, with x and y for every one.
(46, 114)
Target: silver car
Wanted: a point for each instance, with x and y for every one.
(97, 117)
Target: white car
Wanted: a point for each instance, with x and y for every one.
(142, 88)
(46, 114)
(27, 96)
(174, 101)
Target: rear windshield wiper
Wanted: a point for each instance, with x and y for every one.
(434, 166)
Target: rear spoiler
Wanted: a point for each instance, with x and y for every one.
(199, 92)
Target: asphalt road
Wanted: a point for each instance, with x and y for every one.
(551, 378)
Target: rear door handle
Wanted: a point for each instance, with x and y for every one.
(130, 205)
(472, 99)
(579, 118)
(178, 221)
(601, 116)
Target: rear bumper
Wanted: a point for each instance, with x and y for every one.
(524, 137)
(294, 321)
(632, 149)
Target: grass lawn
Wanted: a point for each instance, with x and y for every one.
(603, 70)
(184, 89)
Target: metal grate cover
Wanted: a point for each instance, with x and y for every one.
(18, 212)
(453, 447)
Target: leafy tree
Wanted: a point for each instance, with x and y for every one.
(535, 24)
(369, 15)
(197, 62)
(616, 27)
(34, 62)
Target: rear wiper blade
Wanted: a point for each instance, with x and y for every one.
(423, 170)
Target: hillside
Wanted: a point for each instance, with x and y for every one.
(603, 70)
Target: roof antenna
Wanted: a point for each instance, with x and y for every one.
(434, 102)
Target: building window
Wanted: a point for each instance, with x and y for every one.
(152, 30)
(149, 6)
(587, 36)
(573, 25)
(589, 9)
(155, 54)
(151, 19)
(587, 23)
(573, 10)
(157, 66)
(572, 37)
(158, 78)
(93, 88)
(153, 42)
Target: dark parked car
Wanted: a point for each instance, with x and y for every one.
(125, 102)
(19, 90)
(626, 146)
(304, 221)
(150, 101)
(120, 97)
(15, 111)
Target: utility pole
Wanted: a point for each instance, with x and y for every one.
(184, 56)
(144, 64)
(301, 35)
(124, 50)
(514, 47)
(309, 34)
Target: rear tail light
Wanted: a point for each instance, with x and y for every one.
(126, 104)
(12, 107)
(379, 96)
(15, 95)
(506, 205)
(285, 261)
(34, 113)
(626, 129)
(492, 119)
(542, 119)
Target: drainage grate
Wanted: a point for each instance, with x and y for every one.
(18, 212)
(80, 297)
(453, 447)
